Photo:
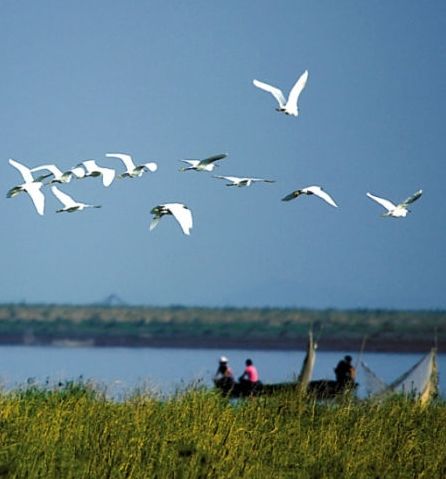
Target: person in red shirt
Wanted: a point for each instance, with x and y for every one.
(250, 377)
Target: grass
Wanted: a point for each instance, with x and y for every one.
(74, 432)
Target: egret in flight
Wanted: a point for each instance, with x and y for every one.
(30, 186)
(396, 211)
(237, 181)
(69, 204)
(132, 170)
(289, 107)
(208, 164)
(92, 169)
(179, 211)
(311, 190)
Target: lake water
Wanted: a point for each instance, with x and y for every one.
(165, 370)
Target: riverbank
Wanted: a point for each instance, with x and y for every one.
(228, 328)
(388, 345)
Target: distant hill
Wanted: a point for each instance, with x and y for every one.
(111, 300)
(114, 323)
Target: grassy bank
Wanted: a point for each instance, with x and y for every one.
(74, 433)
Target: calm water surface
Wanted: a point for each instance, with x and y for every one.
(164, 370)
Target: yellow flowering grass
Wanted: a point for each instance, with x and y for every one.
(73, 432)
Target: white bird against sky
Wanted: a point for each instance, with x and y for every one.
(239, 181)
(208, 164)
(94, 170)
(70, 205)
(397, 211)
(311, 190)
(132, 170)
(59, 176)
(289, 107)
(30, 186)
(179, 211)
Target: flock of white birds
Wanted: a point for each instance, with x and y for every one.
(33, 182)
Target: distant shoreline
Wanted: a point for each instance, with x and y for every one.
(387, 345)
(221, 328)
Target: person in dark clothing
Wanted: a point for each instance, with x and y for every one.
(345, 373)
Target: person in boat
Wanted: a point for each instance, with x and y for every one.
(345, 373)
(249, 380)
(224, 377)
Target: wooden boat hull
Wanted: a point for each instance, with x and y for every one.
(320, 389)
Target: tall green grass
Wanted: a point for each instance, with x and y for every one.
(73, 432)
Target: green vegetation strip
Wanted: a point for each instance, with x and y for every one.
(73, 432)
(83, 322)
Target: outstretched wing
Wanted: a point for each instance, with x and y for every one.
(126, 159)
(234, 179)
(108, 175)
(37, 197)
(388, 205)
(65, 199)
(183, 215)
(318, 191)
(211, 159)
(411, 199)
(275, 92)
(297, 90)
(24, 170)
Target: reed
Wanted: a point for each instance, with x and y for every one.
(75, 432)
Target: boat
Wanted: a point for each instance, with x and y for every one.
(419, 382)
(322, 389)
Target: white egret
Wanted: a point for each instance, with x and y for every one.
(132, 170)
(289, 107)
(70, 205)
(208, 164)
(93, 169)
(179, 211)
(30, 186)
(311, 190)
(238, 181)
(396, 211)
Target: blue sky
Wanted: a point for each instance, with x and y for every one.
(165, 81)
